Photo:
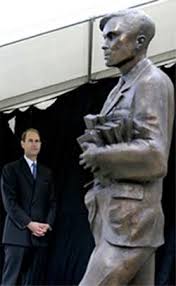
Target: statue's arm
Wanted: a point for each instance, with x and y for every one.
(142, 159)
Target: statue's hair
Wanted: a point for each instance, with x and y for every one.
(23, 136)
(136, 20)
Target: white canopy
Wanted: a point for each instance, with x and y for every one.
(53, 61)
(20, 19)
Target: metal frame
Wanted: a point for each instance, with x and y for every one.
(53, 90)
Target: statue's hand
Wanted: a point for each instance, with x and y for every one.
(87, 158)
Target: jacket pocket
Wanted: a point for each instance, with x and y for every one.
(130, 191)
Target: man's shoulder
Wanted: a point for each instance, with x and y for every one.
(45, 172)
(11, 168)
(12, 164)
(44, 169)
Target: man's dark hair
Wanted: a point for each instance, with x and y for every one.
(23, 136)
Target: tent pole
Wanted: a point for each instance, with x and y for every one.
(90, 48)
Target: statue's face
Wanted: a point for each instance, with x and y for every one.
(119, 42)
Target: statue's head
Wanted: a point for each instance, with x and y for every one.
(127, 35)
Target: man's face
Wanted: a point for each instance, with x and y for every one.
(119, 43)
(31, 145)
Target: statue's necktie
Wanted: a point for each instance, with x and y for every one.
(34, 170)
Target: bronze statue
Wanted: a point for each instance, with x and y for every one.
(126, 147)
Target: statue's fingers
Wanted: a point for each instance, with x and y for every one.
(82, 162)
(86, 167)
(85, 145)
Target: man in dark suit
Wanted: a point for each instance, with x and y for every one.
(29, 201)
(124, 204)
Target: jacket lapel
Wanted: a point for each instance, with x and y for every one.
(34, 183)
(26, 170)
(114, 97)
(119, 90)
(38, 177)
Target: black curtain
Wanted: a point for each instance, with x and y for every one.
(60, 125)
(9, 151)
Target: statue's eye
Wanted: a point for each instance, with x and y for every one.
(111, 36)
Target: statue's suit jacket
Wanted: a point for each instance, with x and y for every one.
(126, 198)
(25, 200)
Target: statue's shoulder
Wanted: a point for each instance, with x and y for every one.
(154, 76)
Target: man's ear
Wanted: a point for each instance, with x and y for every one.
(22, 144)
(140, 41)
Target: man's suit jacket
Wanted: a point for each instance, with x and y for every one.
(25, 200)
(128, 189)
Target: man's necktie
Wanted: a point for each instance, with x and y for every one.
(34, 170)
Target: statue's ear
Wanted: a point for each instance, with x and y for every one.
(140, 41)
